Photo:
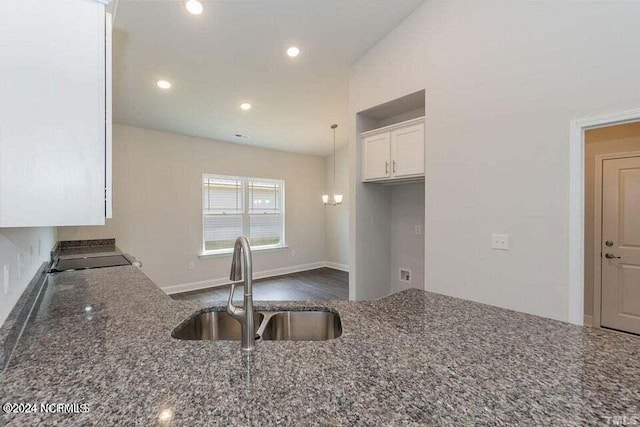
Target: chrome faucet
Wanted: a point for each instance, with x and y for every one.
(244, 315)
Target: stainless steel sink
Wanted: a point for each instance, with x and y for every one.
(214, 325)
(302, 326)
(310, 325)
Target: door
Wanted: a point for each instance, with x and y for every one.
(377, 149)
(407, 151)
(621, 244)
(52, 113)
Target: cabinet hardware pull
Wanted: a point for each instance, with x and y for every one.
(394, 166)
(386, 167)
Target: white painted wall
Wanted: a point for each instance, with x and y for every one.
(337, 217)
(158, 204)
(503, 80)
(33, 246)
(407, 248)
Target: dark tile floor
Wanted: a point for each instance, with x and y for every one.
(319, 284)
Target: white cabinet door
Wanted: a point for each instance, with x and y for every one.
(108, 117)
(377, 163)
(52, 113)
(407, 151)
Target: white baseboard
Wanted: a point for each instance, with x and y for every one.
(195, 286)
(336, 266)
(588, 320)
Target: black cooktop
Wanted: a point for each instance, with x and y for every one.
(89, 262)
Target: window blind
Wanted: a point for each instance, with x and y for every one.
(235, 206)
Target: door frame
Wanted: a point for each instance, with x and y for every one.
(597, 241)
(576, 204)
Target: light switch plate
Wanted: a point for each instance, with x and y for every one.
(19, 265)
(417, 230)
(5, 278)
(500, 241)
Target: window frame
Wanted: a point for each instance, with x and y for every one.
(246, 215)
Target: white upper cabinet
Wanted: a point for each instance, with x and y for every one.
(394, 152)
(407, 151)
(54, 81)
(376, 150)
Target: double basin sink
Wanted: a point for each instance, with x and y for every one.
(308, 325)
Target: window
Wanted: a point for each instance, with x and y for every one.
(241, 206)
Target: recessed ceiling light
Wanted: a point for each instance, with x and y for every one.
(163, 84)
(194, 7)
(245, 106)
(293, 51)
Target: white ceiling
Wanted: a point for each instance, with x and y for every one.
(235, 52)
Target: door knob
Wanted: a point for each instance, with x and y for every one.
(611, 256)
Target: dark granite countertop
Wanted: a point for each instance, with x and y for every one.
(102, 338)
(86, 248)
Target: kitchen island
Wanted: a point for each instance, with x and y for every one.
(101, 339)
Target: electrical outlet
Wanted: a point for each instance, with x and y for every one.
(405, 275)
(294, 253)
(5, 278)
(417, 230)
(20, 263)
(191, 265)
(500, 241)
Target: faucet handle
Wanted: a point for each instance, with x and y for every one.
(231, 292)
(235, 312)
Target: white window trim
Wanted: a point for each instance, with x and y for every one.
(228, 252)
(245, 215)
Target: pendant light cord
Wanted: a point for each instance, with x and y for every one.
(334, 164)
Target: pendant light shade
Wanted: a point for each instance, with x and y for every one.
(336, 199)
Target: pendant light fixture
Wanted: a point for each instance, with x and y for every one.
(337, 198)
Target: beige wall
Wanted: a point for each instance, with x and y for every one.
(158, 203)
(614, 139)
(503, 81)
(337, 217)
